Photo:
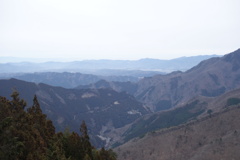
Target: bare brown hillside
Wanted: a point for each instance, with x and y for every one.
(212, 138)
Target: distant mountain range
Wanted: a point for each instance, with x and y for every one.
(210, 78)
(68, 74)
(117, 112)
(103, 67)
(66, 79)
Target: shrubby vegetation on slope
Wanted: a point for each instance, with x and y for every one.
(164, 120)
(209, 138)
(27, 134)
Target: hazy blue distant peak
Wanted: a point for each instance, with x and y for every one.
(72, 60)
(147, 64)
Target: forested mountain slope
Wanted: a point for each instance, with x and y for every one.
(27, 134)
(103, 110)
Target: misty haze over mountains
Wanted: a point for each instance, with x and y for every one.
(74, 74)
(101, 67)
(119, 80)
(130, 101)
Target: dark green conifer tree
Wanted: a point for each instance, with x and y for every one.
(86, 140)
(28, 135)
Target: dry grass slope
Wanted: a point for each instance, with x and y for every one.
(216, 137)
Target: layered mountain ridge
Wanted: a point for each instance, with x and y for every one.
(102, 109)
(210, 78)
(116, 112)
(100, 67)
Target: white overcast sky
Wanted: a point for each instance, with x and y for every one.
(118, 29)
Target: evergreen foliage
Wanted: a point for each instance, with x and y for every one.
(28, 134)
(233, 101)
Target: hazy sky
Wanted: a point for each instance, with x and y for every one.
(118, 29)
